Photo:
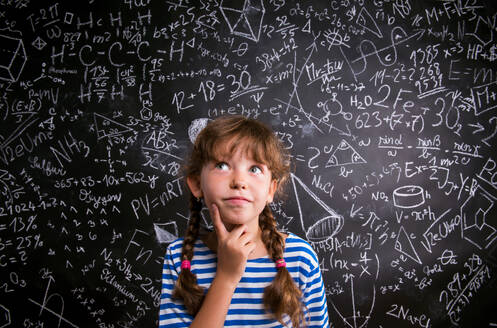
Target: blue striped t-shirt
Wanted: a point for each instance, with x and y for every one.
(247, 307)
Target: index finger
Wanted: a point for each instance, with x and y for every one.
(216, 220)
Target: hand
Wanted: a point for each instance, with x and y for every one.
(233, 249)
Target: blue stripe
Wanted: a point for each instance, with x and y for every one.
(174, 315)
(177, 255)
(168, 276)
(168, 286)
(247, 311)
(317, 308)
(177, 325)
(247, 301)
(178, 244)
(168, 266)
(256, 279)
(324, 319)
(204, 281)
(202, 271)
(271, 268)
(246, 290)
(171, 305)
(247, 322)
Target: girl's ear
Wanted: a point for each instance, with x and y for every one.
(273, 186)
(194, 185)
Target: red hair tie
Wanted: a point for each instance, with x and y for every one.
(280, 263)
(185, 264)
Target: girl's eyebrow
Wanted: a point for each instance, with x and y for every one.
(220, 159)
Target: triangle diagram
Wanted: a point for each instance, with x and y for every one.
(108, 128)
(344, 154)
(365, 20)
(319, 221)
(404, 245)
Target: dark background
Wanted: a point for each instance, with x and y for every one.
(387, 107)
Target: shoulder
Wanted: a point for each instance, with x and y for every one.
(173, 255)
(173, 252)
(177, 244)
(174, 249)
(298, 249)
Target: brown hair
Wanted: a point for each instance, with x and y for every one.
(260, 142)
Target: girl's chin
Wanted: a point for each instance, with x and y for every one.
(232, 223)
(235, 217)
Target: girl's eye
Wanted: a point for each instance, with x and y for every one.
(255, 169)
(222, 166)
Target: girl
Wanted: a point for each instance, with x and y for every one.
(245, 273)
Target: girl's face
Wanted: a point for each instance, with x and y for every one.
(238, 185)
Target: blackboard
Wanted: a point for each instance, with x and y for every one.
(388, 109)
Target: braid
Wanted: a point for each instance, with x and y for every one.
(283, 295)
(270, 236)
(186, 287)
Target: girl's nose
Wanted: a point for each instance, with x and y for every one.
(238, 181)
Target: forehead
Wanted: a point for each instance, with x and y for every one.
(252, 149)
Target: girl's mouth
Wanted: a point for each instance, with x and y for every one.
(237, 200)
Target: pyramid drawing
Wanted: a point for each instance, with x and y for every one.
(344, 154)
(244, 18)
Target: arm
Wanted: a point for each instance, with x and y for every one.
(315, 296)
(315, 301)
(215, 306)
(171, 312)
(233, 250)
